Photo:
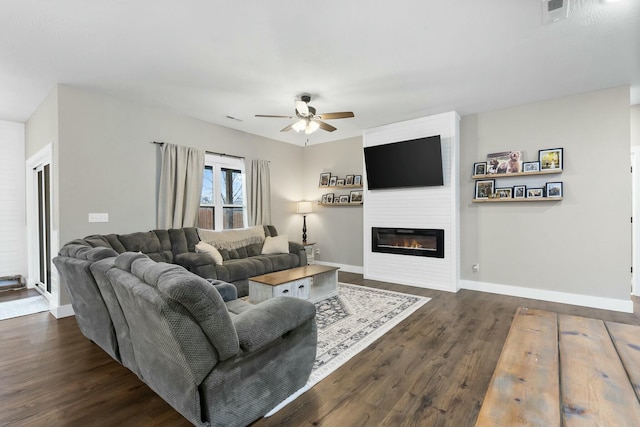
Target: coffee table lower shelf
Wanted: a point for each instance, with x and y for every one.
(312, 282)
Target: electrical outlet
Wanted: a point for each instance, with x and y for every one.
(98, 217)
(476, 268)
(317, 251)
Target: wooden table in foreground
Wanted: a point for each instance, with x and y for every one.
(312, 282)
(565, 370)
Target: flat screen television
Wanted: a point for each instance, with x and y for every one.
(412, 163)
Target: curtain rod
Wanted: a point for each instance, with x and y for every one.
(208, 152)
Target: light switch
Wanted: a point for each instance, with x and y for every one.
(98, 217)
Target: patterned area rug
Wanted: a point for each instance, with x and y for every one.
(349, 323)
(23, 306)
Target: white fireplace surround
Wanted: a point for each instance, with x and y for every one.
(424, 207)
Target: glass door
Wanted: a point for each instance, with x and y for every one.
(42, 182)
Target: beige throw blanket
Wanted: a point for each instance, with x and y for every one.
(232, 239)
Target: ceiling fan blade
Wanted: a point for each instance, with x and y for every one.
(341, 115)
(276, 117)
(302, 108)
(325, 126)
(288, 128)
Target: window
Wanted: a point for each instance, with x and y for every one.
(222, 201)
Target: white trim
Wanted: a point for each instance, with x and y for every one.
(551, 296)
(344, 267)
(62, 311)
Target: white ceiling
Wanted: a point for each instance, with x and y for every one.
(385, 61)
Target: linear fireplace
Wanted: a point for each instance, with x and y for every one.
(408, 241)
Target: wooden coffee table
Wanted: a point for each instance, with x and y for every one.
(312, 282)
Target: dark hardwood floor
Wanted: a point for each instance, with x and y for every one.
(431, 370)
(15, 294)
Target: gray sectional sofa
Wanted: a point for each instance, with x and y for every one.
(242, 254)
(216, 359)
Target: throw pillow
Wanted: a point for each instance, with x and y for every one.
(275, 245)
(206, 248)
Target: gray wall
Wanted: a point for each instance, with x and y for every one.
(108, 164)
(337, 230)
(635, 124)
(579, 245)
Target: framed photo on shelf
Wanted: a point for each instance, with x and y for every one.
(324, 179)
(324, 199)
(504, 193)
(519, 191)
(349, 180)
(333, 181)
(535, 193)
(329, 197)
(531, 167)
(480, 168)
(357, 180)
(550, 158)
(355, 196)
(344, 198)
(553, 189)
(340, 183)
(484, 188)
(504, 162)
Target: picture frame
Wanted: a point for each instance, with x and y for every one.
(349, 180)
(357, 180)
(333, 181)
(535, 193)
(553, 189)
(504, 162)
(484, 188)
(355, 196)
(551, 158)
(479, 168)
(531, 166)
(344, 198)
(324, 199)
(340, 183)
(504, 193)
(324, 179)
(329, 197)
(519, 191)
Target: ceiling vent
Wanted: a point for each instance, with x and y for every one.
(554, 10)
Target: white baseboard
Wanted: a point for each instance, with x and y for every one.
(551, 296)
(62, 311)
(344, 267)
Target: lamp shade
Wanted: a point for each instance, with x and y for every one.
(305, 207)
(311, 127)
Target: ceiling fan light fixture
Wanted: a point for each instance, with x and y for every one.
(312, 126)
(300, 125)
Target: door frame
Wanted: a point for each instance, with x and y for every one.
(42, 157)
(635, 229)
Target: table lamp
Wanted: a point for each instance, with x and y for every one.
(304, 208)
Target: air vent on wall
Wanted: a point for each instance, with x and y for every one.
(554, 10)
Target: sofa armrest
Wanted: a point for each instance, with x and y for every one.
(298, 249)
(227, 291)
(270, 320)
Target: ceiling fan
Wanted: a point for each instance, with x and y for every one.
(310, 121)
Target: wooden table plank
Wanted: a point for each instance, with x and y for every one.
(289, 275)
(595, 389)
(626, 338)
(524, 390)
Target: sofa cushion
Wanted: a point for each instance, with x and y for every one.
(206, 248)
(275, 245)
(156, 244)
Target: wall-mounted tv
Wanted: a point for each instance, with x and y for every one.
(412, 163)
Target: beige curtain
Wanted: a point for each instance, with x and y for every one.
(259, 193)
(180, 186)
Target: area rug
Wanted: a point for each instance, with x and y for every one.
(23, 307)
(349, 323)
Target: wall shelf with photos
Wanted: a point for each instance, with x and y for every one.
(352, 183)
(509, 164)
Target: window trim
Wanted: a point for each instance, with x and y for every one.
(217, 163)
